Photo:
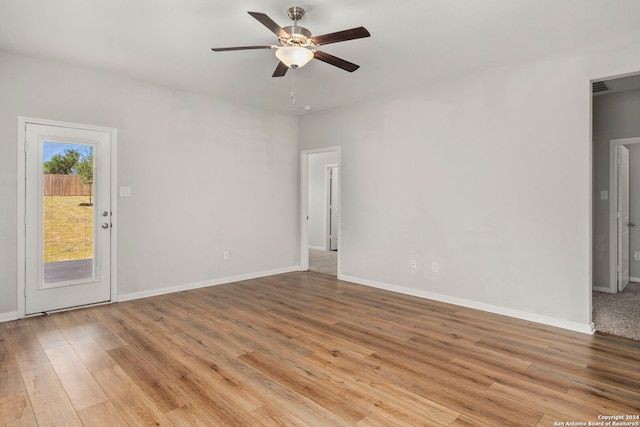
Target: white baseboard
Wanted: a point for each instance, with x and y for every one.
(607, 289)
(551, 321)
(318, 248)
(9, 316)
(188, 286)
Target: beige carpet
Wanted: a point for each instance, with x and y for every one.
(324, 262)
(618, 314)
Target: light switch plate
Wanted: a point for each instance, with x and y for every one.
(604, 195)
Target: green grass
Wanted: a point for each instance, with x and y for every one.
(68, 228)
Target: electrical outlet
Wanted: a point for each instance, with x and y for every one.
(414, 264)
(125, 191)
(434, 267)
(225, 255)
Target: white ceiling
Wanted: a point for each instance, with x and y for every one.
(168, 42)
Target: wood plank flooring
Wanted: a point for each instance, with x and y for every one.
(306, 349)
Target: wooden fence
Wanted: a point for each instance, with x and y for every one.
(64, 185)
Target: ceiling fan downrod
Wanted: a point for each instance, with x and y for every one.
(295, 13)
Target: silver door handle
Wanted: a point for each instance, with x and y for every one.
(105, 225)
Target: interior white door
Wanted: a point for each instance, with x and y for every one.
(623, 217)
(334, 204)
(68, 217)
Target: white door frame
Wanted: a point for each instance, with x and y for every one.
(613, 209)
(304, 202)
(327, 204)
(21, 247)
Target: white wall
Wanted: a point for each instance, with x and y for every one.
(206, 176)
(317, 197)
(615, 115)
(488, 175)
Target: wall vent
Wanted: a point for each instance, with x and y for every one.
(599, 87)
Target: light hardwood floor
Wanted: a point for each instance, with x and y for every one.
(306, 349)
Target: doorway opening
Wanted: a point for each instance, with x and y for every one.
(66, 234)
(616, 206)
(321, 211)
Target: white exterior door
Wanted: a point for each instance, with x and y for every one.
(623, 217)
(68, 217)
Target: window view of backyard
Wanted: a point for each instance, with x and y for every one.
(68, 214)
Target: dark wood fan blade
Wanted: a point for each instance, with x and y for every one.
(269, 23)
(224, 49)
(281, 70)
(341, 36)
(334, 60)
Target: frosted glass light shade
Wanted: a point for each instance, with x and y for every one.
(294, 56)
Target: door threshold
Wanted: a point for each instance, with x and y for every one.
(60, 310)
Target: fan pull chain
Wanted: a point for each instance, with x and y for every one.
(293, 86)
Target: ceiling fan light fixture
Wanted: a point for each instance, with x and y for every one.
(294, 56)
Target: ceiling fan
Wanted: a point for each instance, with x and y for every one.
(297, 46)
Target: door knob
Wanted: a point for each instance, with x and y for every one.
(631, 224)
(105, 225)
